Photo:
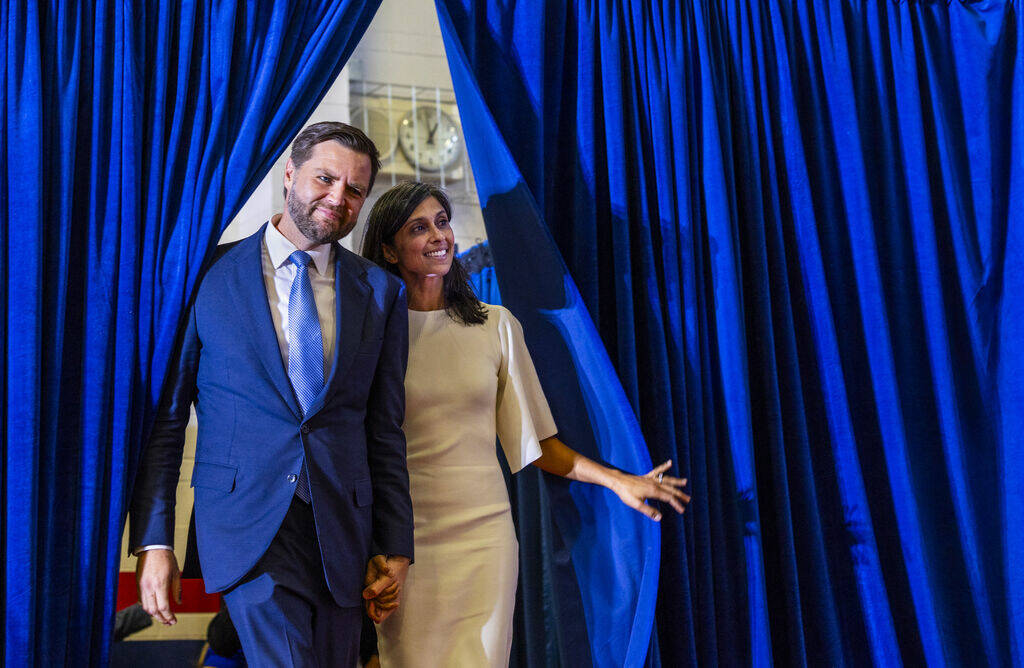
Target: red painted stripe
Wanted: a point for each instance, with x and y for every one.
(193, 596)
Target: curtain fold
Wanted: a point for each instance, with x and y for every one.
(792, 226)
(132, 133)
(589, 581)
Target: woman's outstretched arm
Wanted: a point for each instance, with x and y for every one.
(558, 458)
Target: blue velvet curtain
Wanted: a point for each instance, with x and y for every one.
(593, 574)
(132, 132)
(796, 227)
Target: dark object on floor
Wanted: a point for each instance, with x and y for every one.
(222, 636)
(131, 620)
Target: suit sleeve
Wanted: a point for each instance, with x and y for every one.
(153, 496)
(392, 506)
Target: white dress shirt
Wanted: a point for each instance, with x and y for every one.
(278, 274)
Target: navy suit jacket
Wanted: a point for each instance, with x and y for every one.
(252, 435)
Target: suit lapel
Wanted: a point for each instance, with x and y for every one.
(352, 295)
(250, 293)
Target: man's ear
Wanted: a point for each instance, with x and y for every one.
(289, 174)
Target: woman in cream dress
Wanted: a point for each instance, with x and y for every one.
(469, 377)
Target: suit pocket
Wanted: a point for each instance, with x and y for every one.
(364, 493)
(214, 476)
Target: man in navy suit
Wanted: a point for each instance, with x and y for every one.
(294, 356)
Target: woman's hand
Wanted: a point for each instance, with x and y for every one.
(384, 581)
(634, 490)
(558, 458)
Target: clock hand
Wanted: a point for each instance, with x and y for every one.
(433, 131)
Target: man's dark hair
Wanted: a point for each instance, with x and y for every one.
(346, 135)
(388, 215)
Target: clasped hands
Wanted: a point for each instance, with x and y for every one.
(384, 580)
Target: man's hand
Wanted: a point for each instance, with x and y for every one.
(158, 578)
(384, 581)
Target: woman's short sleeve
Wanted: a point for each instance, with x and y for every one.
(523, 416)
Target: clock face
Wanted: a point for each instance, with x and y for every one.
(429, 139)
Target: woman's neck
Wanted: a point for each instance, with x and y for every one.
(425, 293)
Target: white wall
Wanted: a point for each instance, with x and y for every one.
(402, 46)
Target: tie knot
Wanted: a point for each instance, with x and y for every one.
(300, 258)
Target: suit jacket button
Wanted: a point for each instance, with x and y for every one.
(305, 429)
(292, 477)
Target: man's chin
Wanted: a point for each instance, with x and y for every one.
(341, 231)
(323, 233)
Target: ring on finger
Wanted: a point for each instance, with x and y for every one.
(660, 476)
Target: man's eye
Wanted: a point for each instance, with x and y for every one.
(324, 179)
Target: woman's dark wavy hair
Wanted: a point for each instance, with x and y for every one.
(388, 215)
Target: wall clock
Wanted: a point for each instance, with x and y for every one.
(429, 138)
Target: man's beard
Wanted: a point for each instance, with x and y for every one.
(316, 231)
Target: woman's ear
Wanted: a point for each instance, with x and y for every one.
(389, 254)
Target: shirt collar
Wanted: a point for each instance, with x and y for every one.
(280, 249)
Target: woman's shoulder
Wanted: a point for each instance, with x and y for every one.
(498, 314)
(501, 321)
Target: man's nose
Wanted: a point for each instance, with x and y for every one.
(336, 193)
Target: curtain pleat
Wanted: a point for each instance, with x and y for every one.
(792, 226)
(132, 133)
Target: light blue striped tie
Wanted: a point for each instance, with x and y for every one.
(305, 348)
